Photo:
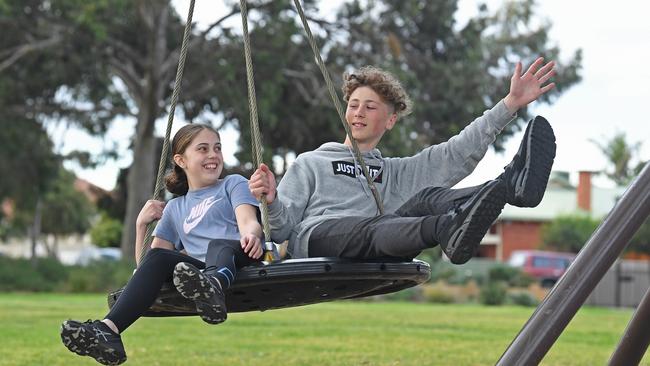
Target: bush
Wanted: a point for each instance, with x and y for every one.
(438, 294)
(522, 298)
(107, 232)
(493, 293)
(21, 275)
(510, 275)
(100, 276)
(50, 275)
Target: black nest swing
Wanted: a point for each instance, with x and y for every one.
(296, 282)
(291, 282)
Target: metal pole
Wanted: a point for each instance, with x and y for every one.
(563, 301)
(635, 340)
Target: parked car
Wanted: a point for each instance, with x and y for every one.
(93, 254)
(547, 267)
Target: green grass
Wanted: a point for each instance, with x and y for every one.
(340, 333)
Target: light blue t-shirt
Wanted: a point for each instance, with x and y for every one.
(193, 220)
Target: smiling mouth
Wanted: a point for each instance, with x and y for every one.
(358, 124)
(210, 166)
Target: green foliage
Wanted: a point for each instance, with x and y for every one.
(65, 210)
(568, 233)
(437, 294)
(641, 240)
(50, 275)
(509, 275)
(21, 275)
(99, 276)
(522, 298)
(493, 293)
(453, 72)
(107, 232)
(28, 163)
(623, 157)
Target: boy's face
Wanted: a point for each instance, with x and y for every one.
(202, 160)
(368, 117)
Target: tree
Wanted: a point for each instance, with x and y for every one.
(623, 158)
(568, 233)
(452, 72)
(65, 211)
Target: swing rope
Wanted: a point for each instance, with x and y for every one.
(159, 189)
(256, 140)
(254, 124)
(338, 106)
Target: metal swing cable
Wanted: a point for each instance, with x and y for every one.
(158, 190)
(256, 140)
(338, 106)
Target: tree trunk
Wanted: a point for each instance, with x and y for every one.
(141, 176)
(35, 230)
(140, 184)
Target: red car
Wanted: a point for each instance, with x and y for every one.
(547, 267)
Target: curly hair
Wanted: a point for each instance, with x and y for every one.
(383, 83)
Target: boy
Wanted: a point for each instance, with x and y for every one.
(325, 208)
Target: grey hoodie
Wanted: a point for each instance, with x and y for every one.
(328, 183)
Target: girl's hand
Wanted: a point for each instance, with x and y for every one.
(152, 210)
(252, 245)
(529, 86)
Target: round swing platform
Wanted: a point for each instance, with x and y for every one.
(296, 282)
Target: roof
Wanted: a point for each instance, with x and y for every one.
(559, 201)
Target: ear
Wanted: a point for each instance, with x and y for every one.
(391, 121)
(178, 159)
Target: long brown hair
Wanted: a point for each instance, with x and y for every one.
(176, 180)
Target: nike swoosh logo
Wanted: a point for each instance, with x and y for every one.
(197, 213)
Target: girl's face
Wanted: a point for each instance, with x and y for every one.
(202, 160)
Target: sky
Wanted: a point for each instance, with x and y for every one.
(612, 97)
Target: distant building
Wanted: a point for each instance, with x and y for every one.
(520, 228)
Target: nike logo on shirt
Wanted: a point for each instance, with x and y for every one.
(197, 213)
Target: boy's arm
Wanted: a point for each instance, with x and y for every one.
(448, 163)
(286, 210)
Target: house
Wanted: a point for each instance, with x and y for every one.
(520, 228)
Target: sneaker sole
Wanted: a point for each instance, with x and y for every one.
(464, 242)
(78, 340)
(541, 148)
(191, 284)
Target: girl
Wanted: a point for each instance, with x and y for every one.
(206, 208)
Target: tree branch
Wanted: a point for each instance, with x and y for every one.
(20, 51)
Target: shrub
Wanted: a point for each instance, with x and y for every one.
(522, 298)
(493, 293)
(21, 275)
(437, 294)
(107, 232)
(510, 275)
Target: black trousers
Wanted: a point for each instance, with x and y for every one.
(157, 267)
(405, 233)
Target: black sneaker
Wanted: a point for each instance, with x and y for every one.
(469, 222)
(94, 339)
(204, 290)
(527, 175)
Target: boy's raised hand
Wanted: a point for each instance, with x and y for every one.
(262, 183)
(529, 86)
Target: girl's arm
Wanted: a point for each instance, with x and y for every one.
(152, 210)
(250, 230)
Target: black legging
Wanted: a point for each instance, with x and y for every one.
(157, 267)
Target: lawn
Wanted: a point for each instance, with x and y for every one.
(340, 333)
